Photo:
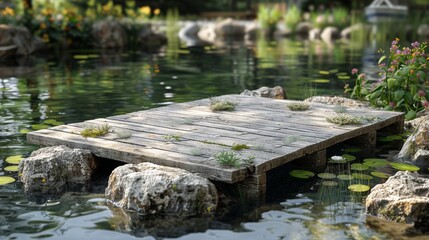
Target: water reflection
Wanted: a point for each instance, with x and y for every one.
(82, 85)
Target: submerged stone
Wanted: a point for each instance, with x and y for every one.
(150, 189)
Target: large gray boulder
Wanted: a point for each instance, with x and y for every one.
(403, 198)
(303, 28)
(189, 34)
(53, 170)
(16, 40)
(416, 149)
(151, 189)
(109, 33)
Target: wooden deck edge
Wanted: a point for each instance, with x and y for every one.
(41, 138)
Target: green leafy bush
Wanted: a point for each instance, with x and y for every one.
(292, 17)
(401, 87)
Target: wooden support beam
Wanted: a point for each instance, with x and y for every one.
(314, 162)
(367, 141)
(253, 189)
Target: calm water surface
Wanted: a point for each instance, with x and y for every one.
(77, 86)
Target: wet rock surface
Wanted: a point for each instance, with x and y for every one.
(403, 198)
(416, 149)
(54, 170)
(150, 189)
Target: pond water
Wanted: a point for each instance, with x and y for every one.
(81, 85)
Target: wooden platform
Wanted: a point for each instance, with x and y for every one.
(275, 134)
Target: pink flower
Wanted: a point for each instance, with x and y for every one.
(354, 70)
(392, 104)
(421, 93)
(361, 76)
(425, 104)
(415, 44)
(382, 65)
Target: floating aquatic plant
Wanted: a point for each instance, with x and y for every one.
(345, 177)
(39, 126)
(304, 174)
(52, 122)
(14, 159)
(330, 183)
(348, 157)
(221, 105)
(361, 176)
(375, 162)
(404, 166)
(298, 106)
(13, 168)
(380, 174)
(344, 119)
(239, 147)
(95, 131)
(25, 130)
(123, 133)
(327, 175)
(358, 188)
(359, 167)
(172, 137)
(6, 180)
(390, 138)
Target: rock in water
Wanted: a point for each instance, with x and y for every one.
(16, 40)
(403, 198)
(416, 148)
(276, 92)
(109, 33)
(151, 189)
(53, 170)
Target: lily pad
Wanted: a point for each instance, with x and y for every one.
(6, 180)
(304, 174)
(52, 122)
(348, 157)
(345, 177)
(320, 81)
(324, 72)
(390, 138)
(358, 167)
(342, 74)
(330, 183)
(380, 174)
(25, 130)
(14, 159)
(80, 57)
(375, 162)
(39, 126)
(352, 150)
(404, 166)
(326, 175)
(359, 188)
(13, 168)
(361, 176)
(343, 77)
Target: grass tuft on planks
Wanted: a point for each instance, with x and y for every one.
(95, 131)
(298, 106)
(344, 119)
(221, 105)
(231, 159)
(172, 137)
(239, 147)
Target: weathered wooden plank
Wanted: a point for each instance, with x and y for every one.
(130, 153)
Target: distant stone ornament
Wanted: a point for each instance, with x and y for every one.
(276, 92)
(150, 189)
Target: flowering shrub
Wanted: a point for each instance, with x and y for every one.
(401, 87)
